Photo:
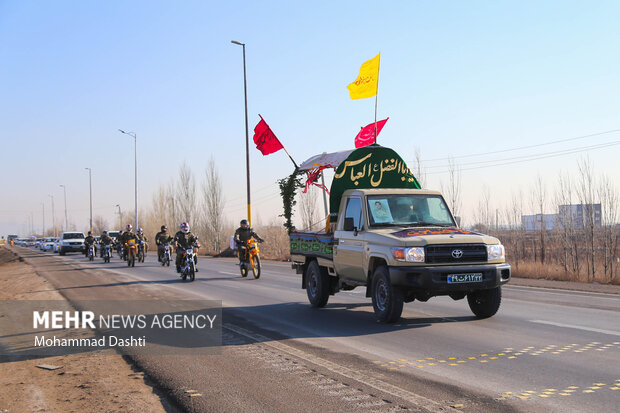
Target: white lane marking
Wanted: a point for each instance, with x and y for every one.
(596, 330)
(229, 273)
(559, 291)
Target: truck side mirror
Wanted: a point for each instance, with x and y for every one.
(349, 224)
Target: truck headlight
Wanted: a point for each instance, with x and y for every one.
(415, 254)
(495, 252)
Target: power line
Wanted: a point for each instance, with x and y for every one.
(522, 147)
(537, 157)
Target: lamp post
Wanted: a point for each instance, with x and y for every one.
(90, 188)
(135, 184)
(120, 217)
(53, 217)
(247, 139)
(43, 231)
(64, 188)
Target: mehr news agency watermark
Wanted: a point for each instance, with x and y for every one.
(138, 326)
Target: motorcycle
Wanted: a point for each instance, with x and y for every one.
(141, 251)
(90, 252)
(188, 263)
(166, 256)
(251, 261)
(121, 251)
(131, 252)
(107, 253)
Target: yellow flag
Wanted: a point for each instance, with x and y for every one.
(365, 86)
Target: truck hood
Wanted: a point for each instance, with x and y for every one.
(419, 237)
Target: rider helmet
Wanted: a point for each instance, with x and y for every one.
(244, 223)
(105, 233)
(128, 227)
(164, 228)
(139, 230)
(90, 233)
(184, 227)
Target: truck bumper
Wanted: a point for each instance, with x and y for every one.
(434, 280)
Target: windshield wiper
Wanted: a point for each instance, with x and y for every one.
(428, 224)
(383, 224)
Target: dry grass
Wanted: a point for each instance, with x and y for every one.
(536, 270)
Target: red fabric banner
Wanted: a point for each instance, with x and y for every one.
(264, 138)
(367, 134)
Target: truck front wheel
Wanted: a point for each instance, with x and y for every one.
(387, 300)
(485, 303)
(317, 285)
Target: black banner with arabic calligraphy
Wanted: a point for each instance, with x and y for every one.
(370, 167)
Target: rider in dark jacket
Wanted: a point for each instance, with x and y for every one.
(161, 239)
(184, 240)
(242, 235)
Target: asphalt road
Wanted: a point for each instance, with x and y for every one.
(545, 350)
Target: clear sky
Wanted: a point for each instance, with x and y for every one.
(457, 78)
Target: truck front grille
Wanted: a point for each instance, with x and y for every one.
(443, 254)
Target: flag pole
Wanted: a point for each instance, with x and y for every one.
(289, 155)
(377, 97)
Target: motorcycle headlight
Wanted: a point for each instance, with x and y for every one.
(415, 254)
(495, 252)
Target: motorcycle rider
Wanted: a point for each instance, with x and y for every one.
(125, 237)
(161, 239)
(105, 240)
(142, 237)
(242, 235)
(88, 242)
(184, 239)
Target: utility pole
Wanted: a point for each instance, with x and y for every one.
(43, 230)
(53, 217)
(66, 219)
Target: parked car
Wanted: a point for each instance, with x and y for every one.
(71, 242)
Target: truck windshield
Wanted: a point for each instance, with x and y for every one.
(409, 210)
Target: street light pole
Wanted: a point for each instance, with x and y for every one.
(90, 188)
(66, 220)
(135, 184)
(43, 232)
(120, 217)
(247, 139)
(53, 217)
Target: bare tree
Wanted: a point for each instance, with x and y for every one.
(309, 209)
(213, 200)
(608, 195)
(186, 194)
(453, 188)
(539, 203)
(100, 224)
(586, 192)
(418, 170)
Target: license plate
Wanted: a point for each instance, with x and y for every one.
(464, 278)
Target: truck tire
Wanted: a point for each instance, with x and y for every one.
(62, 252)
(387, 300)
(317, 285)
(485, 303)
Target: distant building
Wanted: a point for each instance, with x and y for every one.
(581, 214)
(578, 214)
(535, 222)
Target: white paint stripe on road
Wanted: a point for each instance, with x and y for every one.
(383, 386)
(596, 330)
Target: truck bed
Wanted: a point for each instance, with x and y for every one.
(312, 243)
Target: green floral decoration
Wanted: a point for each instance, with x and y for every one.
(288, 189)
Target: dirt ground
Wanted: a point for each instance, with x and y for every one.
(97, 381)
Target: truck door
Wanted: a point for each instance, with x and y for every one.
(349, 251)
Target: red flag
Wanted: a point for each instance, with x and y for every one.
(367, 134)
(264, 138)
